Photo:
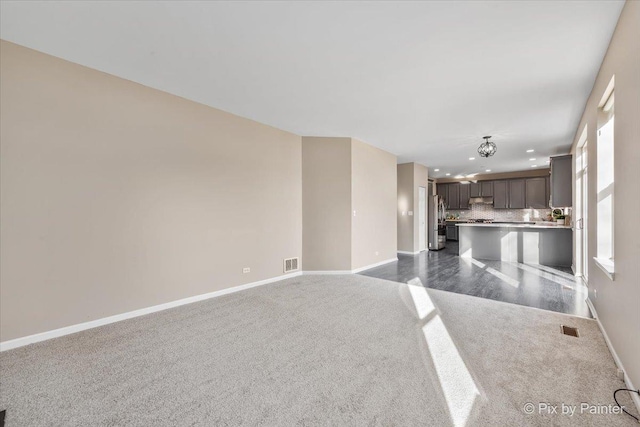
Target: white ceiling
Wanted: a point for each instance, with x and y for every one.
(423, 80)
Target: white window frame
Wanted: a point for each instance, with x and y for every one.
(605, 179)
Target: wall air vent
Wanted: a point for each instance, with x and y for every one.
(290, 264)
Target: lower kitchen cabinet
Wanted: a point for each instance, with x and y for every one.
(452, 231)
(551, 245)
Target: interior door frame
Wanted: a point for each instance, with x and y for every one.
(581, 208)
(585, 213)
(422, 219)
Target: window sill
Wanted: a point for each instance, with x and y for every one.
(607, 266)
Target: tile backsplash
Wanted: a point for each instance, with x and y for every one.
(482, 211)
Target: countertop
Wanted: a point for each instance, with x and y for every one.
(514, 225)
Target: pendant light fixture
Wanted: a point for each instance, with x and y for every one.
(487, 148)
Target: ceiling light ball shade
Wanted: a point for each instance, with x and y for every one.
(487, 148)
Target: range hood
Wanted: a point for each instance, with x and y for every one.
(481, 201)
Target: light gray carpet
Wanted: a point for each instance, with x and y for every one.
(316, 350)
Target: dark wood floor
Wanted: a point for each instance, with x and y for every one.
(548, 288)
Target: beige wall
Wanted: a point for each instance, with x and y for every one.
(411, 176)
(326, 195)
(618, 302)
(340, 176)
(117, 197)
(374, 200)
(405, 203)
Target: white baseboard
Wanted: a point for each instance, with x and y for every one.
(627, 381)
(30, 339)
(593, 310)
(55, 333)
(408, 252)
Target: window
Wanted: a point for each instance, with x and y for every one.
(605, 179)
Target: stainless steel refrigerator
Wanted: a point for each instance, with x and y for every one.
(435, 217)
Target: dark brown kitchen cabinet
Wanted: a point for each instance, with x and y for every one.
(441, 190)
(464, 196)
(536, 193)
(500, 194)
(451, 231)
(486, 188)
(517, 199)
(481, 189)
(453, 196)
(475, 189)
(561, 181)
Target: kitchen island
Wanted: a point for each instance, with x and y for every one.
(529, 243)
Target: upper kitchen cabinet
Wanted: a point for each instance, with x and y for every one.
(441, 190)
(481, 189)
(561, 186)
(450, 193)
(453, 196)
(536, 193)
(515, 193)
(464, 196)
(500, 194)
(486, 189)
(517, 199)
(475, 190)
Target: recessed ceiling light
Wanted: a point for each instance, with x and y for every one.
(530, 150)
(472, 158)
(532, 159)
(534, 166)
(488, 170)
(471, 175)
(447, 174)
(459, 176)
(436, 170)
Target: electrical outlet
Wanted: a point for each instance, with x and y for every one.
(620, 374)
(246, 270)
